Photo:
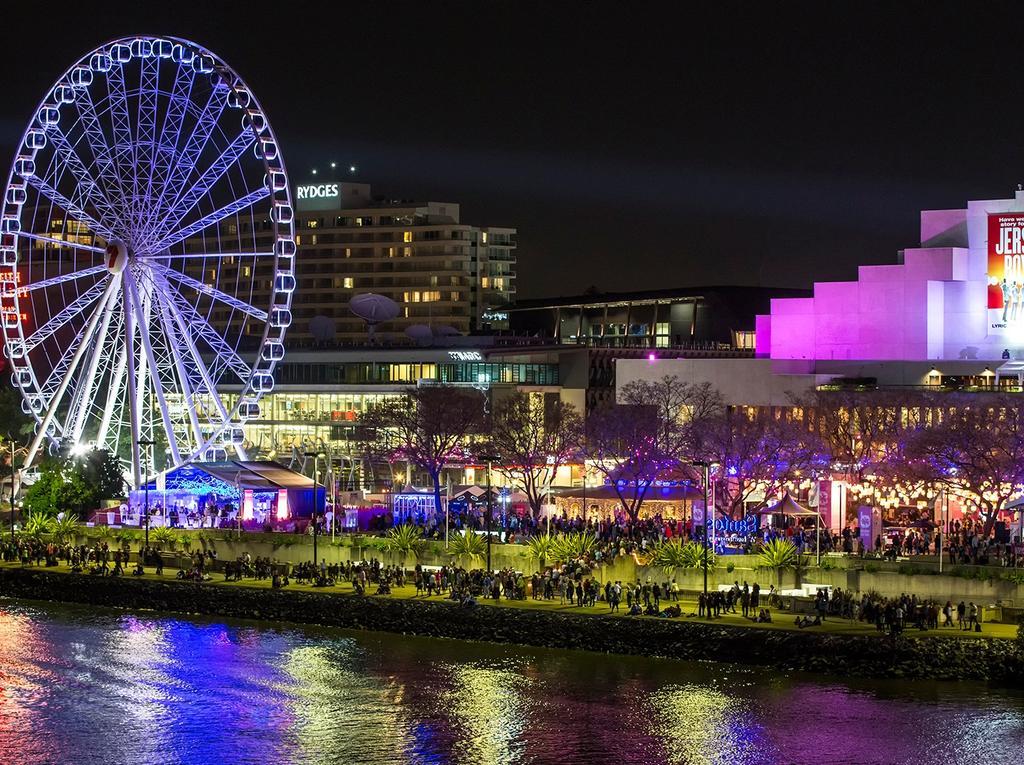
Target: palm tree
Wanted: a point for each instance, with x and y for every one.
(572, 546)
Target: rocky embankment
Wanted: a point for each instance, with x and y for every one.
(920, 657)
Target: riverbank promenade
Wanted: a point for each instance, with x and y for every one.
(782, 620)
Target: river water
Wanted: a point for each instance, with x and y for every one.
(81, 685)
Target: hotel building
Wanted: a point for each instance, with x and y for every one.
(441, 272)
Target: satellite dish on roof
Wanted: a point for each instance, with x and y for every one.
(373, 309)
(421, 333)
(322, 328)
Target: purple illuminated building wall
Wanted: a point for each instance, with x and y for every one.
(930, 305)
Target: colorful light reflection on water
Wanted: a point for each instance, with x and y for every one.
(81, 686)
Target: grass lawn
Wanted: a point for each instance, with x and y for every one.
(783, 619)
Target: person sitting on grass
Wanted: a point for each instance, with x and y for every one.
(764, 617)
(805, 621)
(635, 610)
(672, 612)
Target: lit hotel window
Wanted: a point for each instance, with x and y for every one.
(298, 239)
(407, 252)
(247, 271)
(499, 283)
(406, 236)
(349, 282)
(485, 282)
(431, 296)
(483, 237)
(391, 252)
(455, 297)
(348, 252)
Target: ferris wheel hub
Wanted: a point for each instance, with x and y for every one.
(117, 256)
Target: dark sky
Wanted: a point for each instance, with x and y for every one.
(634, 145)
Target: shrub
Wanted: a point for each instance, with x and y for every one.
(162, 535)
(467, 547)
(730, 567)
(871, 568)
(186, 542)
(539, 548)
(1017, 577)
(571, 546)
(65, 529)
(674, 554)
(126, 536)
(405, 540)
(779, 555)
(827, 564)
(36, 524)
(907, 569)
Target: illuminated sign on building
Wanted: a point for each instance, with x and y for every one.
(495, 316)
(1005, 271)
(317, 191)
(466, 355)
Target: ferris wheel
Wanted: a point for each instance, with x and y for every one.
(147, 256)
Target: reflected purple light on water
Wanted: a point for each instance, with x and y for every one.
(172, 690)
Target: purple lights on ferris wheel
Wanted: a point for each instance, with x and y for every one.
(156, 150)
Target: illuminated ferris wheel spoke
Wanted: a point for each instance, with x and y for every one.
(60, 243)
(209, 255)
(68, 313)
(71, 208)
(213, 292)
(94, 271)
(199, 328)
(185, 162)
(213, 218)
(167, 146)
(145, 130)
(87, 189)
(242, 143)
(183, 375)
(143, 147)
(101, 152)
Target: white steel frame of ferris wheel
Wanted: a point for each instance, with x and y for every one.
(147, 214)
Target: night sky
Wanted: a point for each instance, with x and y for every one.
(633, 146)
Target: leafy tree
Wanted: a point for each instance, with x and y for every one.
(533, 441)
(61, 487)
(427, 427)
(622, 444)
(103, 470)
(758, 455)
(974, 448)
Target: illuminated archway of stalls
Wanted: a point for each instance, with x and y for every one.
(891, 495)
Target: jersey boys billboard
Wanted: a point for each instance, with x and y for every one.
(1005, 272)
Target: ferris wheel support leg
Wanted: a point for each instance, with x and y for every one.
(117, 380)
(90, 378)
(172, 441)
(186, 385)
(51, 410)
(133, 402)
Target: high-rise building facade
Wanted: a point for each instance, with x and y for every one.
(441, 272)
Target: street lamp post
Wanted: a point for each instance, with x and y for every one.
(706, 467)
(489, 458)
(13, 474)
(316, 465)
(145, 489)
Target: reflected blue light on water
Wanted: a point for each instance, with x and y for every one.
(81, 686)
